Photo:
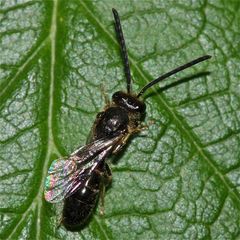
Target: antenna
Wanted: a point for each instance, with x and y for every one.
(174, 71)
(118, 29)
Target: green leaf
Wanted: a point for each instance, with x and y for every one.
(177, 180)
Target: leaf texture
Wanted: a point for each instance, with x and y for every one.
(177, 180)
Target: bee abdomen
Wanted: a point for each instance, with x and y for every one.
(78, 207)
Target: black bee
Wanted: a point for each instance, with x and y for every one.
(82, 178)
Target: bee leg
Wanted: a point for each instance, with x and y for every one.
(107, 175)
(141, 127)
(106, 181)
(106, 98)
(102, 194)
(60, 221)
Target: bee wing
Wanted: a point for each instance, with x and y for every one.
(85, 174)
(60, 175)
(66, 176)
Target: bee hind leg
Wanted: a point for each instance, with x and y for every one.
(59, 222)
(102, 194)
(106, 181)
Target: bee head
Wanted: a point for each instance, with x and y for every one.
(129, 102)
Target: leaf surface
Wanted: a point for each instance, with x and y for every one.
(177, 180)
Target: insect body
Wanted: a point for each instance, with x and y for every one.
(79, 205)
(81, 179)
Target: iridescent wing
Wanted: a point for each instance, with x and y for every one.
(60, 175)
(66, 176)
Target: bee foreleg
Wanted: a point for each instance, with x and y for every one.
(105, 96)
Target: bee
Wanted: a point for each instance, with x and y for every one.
(81, 179)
